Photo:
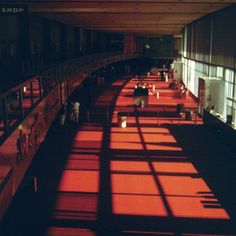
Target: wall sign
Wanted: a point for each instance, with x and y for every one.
(13, 9)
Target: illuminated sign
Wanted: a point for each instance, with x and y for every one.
(13, 10)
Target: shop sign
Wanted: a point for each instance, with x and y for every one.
(13, 9)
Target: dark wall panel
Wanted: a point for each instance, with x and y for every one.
(36, 35)
(203, 38)
(212, 38)
(224, 37)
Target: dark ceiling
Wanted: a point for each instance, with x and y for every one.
(139, 17)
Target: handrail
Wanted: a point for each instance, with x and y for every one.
(85, 59)
(18, 102)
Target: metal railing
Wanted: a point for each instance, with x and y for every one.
(18, 102)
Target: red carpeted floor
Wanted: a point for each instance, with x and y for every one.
(160, 175)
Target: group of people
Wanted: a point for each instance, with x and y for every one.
(164, 76)
(150, 86)
(179, 85)
(70, 112)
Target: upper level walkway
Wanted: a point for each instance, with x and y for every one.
(162, 174)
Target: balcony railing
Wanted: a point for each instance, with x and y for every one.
(18, 102)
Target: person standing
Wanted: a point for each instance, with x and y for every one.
(76, 111)
(63, 114)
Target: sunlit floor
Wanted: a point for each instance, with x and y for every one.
(159, 175)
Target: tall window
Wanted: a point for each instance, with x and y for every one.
(213, 72)
(229, 91)
(220, 72)
(229, 79)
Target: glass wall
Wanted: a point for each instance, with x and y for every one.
(225, 77)
(230, 92)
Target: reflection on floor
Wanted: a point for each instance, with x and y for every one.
(161, 175)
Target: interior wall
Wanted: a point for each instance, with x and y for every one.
(129, 44)
(9, 36)
(212, 38)
(36, 36)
